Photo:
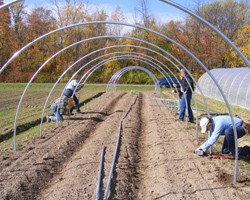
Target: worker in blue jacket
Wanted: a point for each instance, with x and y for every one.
(221, 125)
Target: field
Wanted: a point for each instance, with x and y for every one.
(155, 158)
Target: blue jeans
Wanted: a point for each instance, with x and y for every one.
(57, 115)
(183, 107)
(228, 145)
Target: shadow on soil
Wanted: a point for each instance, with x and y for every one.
(24, 127)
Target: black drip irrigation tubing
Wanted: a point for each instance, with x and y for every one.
(98, 188)
(100, 174)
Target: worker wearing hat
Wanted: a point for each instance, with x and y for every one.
(220, 125)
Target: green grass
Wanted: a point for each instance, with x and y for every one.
(29, 116)
(214, 106)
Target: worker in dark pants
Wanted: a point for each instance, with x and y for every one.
(71, 87)
(221, 125)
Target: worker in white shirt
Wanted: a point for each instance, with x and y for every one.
(70, 89)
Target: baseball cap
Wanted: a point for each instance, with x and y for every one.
(203, 123)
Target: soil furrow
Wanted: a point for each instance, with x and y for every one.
(35, 166)
(79, 174)
(155, 159)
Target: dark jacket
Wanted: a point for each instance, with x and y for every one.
(185, 86)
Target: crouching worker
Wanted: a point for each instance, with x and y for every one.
(221, 125)
(71, 87)
(58, 107)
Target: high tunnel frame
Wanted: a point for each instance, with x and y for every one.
(116, 76)
(135, 58)
(99, 65)
(59, 52)
(104, 55)
(187, 51)
(9, 4)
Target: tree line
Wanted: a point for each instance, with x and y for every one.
(19, 26)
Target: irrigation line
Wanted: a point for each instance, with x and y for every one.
(100, 174)
(113, 163)
(130, 108)
(164, 105)
(116, 150)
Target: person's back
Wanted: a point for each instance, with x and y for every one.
(222, 122)
(221, 125)
(72, 85)
(69, 91)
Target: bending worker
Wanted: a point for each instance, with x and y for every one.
(58, 107)
(220, 125)
(70, 89)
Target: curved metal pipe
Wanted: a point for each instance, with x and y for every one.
(212, 27)
(145, 55)
(74, 75)
(134, 58)
(136, 26)
(62, 51)
(238, 52)
(122, 71)
(98, 65)
(9, 4)
(173, 41)
(137, 47)
(119, 58)
(187, 51)
(141, 47)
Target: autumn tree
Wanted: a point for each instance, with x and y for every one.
(5, 32)
(15, 38)
(243, 43)
(69, 13)
(39, 22)
(226, 15)
(18, 15)
(116, 16)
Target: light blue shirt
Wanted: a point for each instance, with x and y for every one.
(72, 85)
(220, 124)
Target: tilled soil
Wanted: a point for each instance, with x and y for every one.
(155, 157)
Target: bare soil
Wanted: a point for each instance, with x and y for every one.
(155, 157)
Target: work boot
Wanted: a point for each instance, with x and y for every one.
(48, 119)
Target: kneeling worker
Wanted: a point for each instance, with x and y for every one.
(221, 125)
(58, 107)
